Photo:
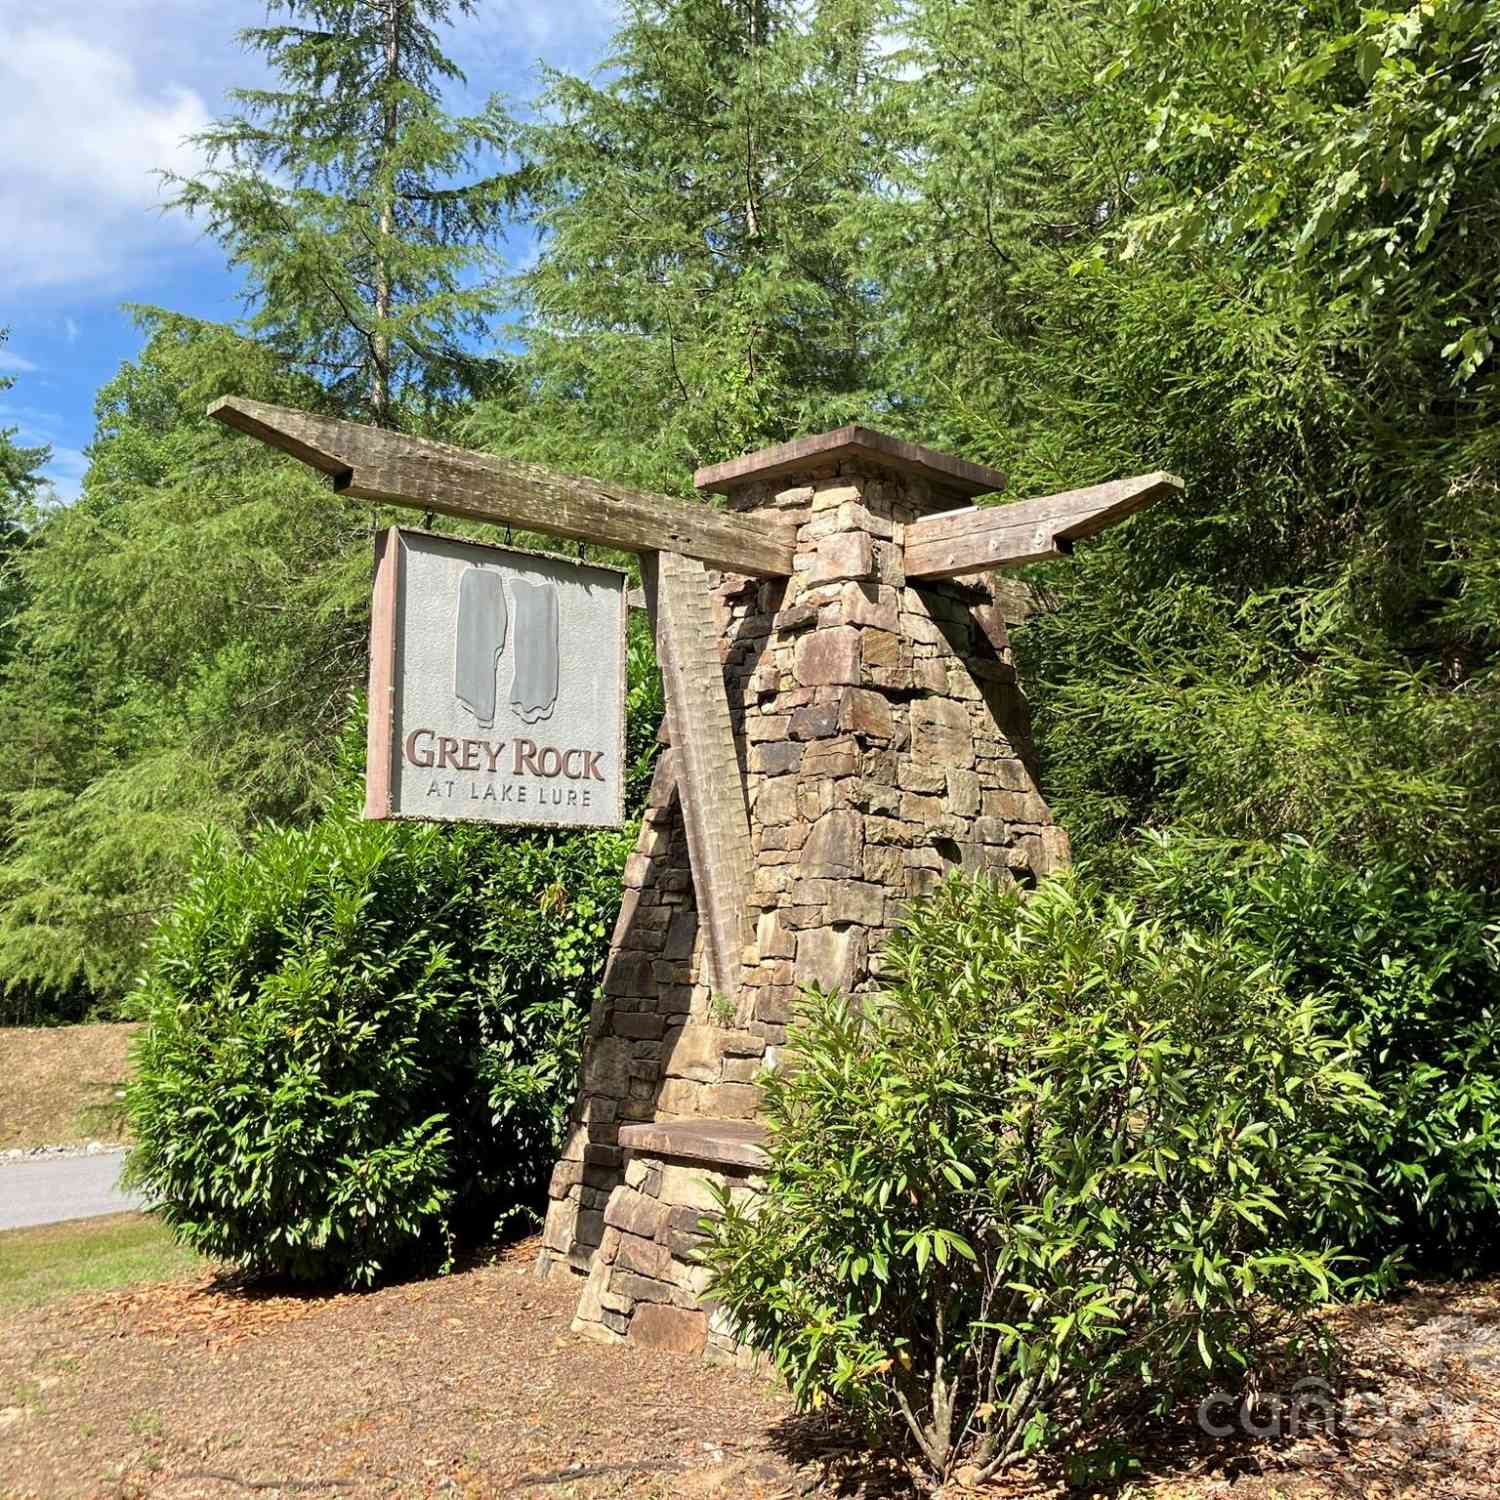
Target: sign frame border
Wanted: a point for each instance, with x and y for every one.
(381, 741)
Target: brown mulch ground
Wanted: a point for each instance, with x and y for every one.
(60, 1083)
(473, 1386)
(467, 1385)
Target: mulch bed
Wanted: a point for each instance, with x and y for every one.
(466, 1385)
(472, 1385)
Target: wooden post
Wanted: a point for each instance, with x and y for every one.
(709, 782)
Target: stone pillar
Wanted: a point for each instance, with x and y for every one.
(884, 741)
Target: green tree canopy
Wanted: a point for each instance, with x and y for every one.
(1247, 244)
(693, 296)
(346, 194)
(194, 628)
(20, 467)
(1240, 244)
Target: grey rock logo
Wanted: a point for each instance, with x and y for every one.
(479, 640)
(479, 637)
(533, 689)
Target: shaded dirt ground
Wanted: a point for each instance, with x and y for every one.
(60, 1083)
(466, 1385)
(473, 1386)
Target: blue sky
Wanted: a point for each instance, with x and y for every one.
(100, 95)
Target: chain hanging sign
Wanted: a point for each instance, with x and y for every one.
(497, 685)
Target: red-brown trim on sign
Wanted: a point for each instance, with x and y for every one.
(380, 755)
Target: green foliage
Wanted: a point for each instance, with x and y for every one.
(190, 635)
(338, 192)
(362, 1037)
(1069, 1158)
(22, 487)
(192, 629)
(694, 297)
(1358, 149)
(20, 468)
(1110, 250)
(1250, 719)
(1412, 967)
(645, 709)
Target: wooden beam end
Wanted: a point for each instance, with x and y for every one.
(234, 411)
(980, 538)
(375, 464)
(303, 435)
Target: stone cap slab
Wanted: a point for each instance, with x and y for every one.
(725, 1143)
(955, 476)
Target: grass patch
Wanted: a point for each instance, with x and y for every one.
(52, 1261)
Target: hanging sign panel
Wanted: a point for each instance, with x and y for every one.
(497, 685)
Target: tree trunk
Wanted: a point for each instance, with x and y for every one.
(380, 380)
(752, 167)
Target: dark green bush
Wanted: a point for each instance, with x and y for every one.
(362, 1038)
(1413, 966)
(1069, 1159)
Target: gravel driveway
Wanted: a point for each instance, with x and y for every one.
(47, 1188)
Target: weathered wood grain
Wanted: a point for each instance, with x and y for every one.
(714, 1143)
(380, 742)
(976, 538)
(371, 463)
(709, 784)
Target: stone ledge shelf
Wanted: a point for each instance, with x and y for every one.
(645, 1282)
(711, 1143)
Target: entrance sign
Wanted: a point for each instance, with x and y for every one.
(497, 685)
(841, 737)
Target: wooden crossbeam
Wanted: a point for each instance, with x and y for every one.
(709, 785)
(371, 463)
(975, 539)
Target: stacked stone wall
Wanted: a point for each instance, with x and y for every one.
(884, 742)
(645, 1283)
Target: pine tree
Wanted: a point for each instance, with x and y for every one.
(188, 639)
(694, 295)
(339, 193)
(22, 487)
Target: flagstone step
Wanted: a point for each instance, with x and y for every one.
(714, 1143)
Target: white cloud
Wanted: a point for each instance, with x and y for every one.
(100, 94)
(65, 472)
(14, 362)
(96, 96)
(82, 137)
